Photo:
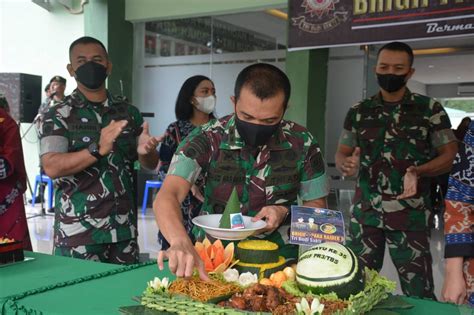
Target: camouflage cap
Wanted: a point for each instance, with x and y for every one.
(58, 79)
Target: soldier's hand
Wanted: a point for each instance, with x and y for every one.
(350, 166)
(273, 216)
(146, 142)
(410, 181)
(454, 288)
(109, 134)
(182, 258)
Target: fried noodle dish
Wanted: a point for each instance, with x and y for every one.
(201, 290)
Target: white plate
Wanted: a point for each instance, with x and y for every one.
(210, 224)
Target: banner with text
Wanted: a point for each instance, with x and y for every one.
(326, 23)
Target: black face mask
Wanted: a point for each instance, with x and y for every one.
(391, 82)
(255, 135)
(91, 74)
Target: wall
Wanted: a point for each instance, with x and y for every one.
(105, 20)
(35, 41)
(147, 10)
(345, 85)
(416, 87)
(442, 90)
(159, 81)
(307, 71)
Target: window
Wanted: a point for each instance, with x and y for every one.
(458, 108)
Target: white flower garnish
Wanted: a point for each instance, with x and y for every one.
(231, 275)
(159, 285)
(247, 278)
(303, 307)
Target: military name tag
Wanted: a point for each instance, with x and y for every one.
(85, 127)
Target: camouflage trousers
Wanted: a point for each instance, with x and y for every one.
(409, 250)
(122, 253)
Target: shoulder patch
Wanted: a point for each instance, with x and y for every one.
(197, 146)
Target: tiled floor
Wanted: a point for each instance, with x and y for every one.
(41, 230)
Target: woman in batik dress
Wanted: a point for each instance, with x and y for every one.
(459, 226)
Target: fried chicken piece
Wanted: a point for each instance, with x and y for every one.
(256, 289)
(273, 299)
(238, 302)
(257, 304)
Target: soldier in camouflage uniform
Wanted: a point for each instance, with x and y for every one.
(270, 161)
(388, 140)
(55, 95)
(56, 88)
(89, 146)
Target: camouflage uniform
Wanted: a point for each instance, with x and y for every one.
(288, 166)
(95, 206)
(392, 137)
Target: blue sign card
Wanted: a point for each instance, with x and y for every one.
(236, 221)
(311, 226)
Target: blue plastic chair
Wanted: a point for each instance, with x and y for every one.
(39, 179)
(149, 184)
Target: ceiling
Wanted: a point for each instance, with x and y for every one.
(430, 69)
(444, 69)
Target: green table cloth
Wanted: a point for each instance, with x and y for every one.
(59, 285)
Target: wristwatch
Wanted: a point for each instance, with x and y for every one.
(93, 149)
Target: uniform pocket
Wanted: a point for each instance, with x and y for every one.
(83, 135)
(283, 194)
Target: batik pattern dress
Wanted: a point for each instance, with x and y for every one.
(459, 215)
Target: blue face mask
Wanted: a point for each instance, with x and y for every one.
(255, 135)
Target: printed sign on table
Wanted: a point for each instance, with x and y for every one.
(311, 226)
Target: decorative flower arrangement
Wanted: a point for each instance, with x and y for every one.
(156, 285)
(215, 257)
(245, 279)
(303, 308)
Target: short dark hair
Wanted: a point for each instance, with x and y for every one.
(46, 88)
(84, 41)
(398, 46)
(183, 108)
(264, 80)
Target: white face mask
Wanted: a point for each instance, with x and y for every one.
(206, 104)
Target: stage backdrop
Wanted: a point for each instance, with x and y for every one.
(327, 23)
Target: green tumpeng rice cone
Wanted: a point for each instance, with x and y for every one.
(233, 206)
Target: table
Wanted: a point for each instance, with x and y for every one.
(53, 285)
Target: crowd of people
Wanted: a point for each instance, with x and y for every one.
(394, 144)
